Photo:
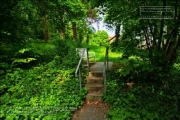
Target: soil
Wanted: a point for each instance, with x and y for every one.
(92, 111)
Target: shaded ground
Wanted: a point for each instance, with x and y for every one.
(92, 111)
(98, 66)
(116, 66)
(95, 110)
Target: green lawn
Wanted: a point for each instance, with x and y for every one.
(100, 53)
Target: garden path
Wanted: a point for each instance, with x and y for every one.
(94, 108)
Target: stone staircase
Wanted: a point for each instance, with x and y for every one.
(95, 81)
(95, 85)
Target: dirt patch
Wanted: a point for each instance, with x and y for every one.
(92, 111)
(116, 66)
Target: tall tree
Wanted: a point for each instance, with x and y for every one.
(44, 8)
(161, 36)
(92, 15)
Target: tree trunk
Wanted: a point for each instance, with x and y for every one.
(74, 31)
(153, 33)
(173, 43)
(80, 36)
(161, 28)
(173, 47)
(45, 29)
(146, 34)
(117, 31)
(62, 33)
(62, 27)
(87, 32)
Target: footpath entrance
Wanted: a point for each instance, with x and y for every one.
(94, 108)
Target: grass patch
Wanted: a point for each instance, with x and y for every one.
(100, 53)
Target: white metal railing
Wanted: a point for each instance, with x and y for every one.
(78, 69)
(105, 68)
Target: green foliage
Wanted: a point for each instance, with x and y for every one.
(100, 38)
(43, 92)
(150, 35)
(66, 50)
(155, 90)
(31, 53)
(134, 68)
(27, 60)
(21, 60)
(41, 51)
(143, 101)
(37, 79)
(38, 82)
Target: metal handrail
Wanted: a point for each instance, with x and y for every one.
(105, 68)
(78, 69)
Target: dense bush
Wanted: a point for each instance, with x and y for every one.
(146, 99)
(26, 55)
(100, 38)
(47, 90)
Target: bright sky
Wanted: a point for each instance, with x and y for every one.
(103, 27)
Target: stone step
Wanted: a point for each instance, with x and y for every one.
(96, 73)
(93, 97)
(92, 79)
(96, 92)
(94, 87)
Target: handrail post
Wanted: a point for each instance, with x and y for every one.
(87, 49)
(105, 70)
(107, 53)
(105, 83)
(78, 70)
(80, 79)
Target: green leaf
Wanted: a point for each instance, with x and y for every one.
(24, 50)
(26, 60)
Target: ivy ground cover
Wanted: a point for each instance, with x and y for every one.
(43, 92)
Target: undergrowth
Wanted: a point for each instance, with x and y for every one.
(145, 100)
(46, 90)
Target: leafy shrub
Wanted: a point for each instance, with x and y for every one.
(27, 54)
(100, 38)
(44, 92)
(38, 52)
(143, 101)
